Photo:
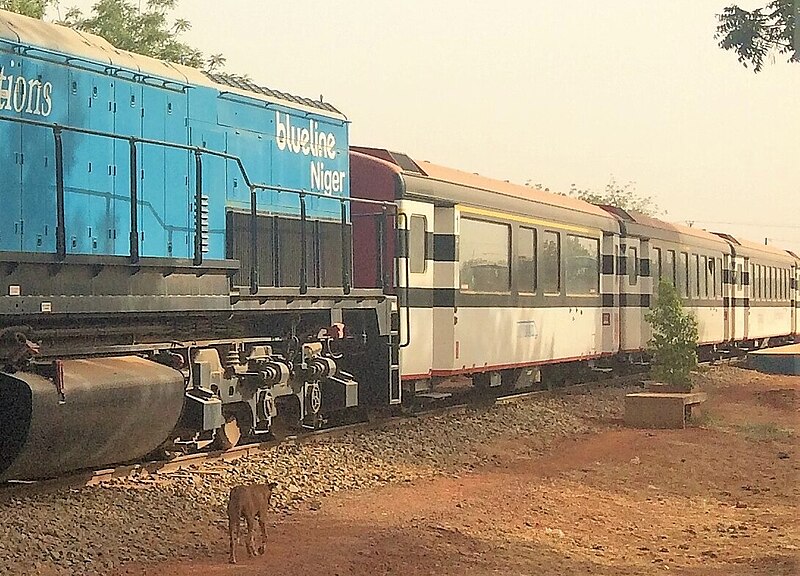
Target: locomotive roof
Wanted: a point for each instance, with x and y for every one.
(54, 38)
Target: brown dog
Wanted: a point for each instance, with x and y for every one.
(249, 501)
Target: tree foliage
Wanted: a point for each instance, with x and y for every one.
(754, 35)
(32, 8)
(147, 31)
(623, 196)
(673, 345)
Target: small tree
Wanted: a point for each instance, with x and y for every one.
(623, 196)
(674, 342)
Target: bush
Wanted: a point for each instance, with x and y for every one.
(673, 345)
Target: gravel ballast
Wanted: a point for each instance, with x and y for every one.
(152, 518)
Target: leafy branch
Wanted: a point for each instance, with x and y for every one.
(755, 35)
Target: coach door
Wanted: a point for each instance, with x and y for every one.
(794, 291)
(728, 297)
(415, 288)
(631, 312)
(445, 280)
(743, 288)
(609, 287)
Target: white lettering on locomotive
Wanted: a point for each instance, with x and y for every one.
(311, 141)
(326, 181)
(21, 94)
(307, 141)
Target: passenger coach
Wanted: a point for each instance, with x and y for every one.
(493, 279)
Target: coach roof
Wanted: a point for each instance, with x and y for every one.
(659, 228)
(458, 187)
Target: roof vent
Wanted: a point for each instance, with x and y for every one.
(406, 163)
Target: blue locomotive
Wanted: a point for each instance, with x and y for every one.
(175, 257)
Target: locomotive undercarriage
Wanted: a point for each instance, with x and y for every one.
(89, 391)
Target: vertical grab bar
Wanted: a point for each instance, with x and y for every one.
(401, 228)
(303, 246)
(253, 242)
(198, 209)
(61, 233)
(134, 235)
(346, 250)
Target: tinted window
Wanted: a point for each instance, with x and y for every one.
(582, 262)
(712, 278)
(484, 256)
(685, 271)
(416, 244)
(550, 268)
(669, 265)
(526, 260)
(633, 266)
(704, 276)
(656, 265)
(695, 276)
(757, 282)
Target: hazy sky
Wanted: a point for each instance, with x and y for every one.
(550, 91)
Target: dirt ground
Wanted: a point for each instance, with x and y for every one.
(718, 498)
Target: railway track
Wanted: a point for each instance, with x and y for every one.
(472, 401)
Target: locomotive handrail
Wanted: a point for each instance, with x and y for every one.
(93, 66)
(199, 151)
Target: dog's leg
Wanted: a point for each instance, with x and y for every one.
(233, 534)
(251, 534)
(262, 522)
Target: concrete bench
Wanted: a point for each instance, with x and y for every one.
(660, 409)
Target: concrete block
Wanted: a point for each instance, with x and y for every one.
(660, 409)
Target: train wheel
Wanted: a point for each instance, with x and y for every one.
(313, 406)
(228, 435)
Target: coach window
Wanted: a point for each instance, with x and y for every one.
(694, 274)
(757, 282)
(669, 264)
(766, 282)
(685, 271)
(656, 266)
(719, 276)
(712, 277)
(785, 283)
(782, 292)
(633, 266)
(550, 269)
(770, 284)
(416, 244)
(483, 256)
(582, 256)
(703, 276)
(526, 260)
